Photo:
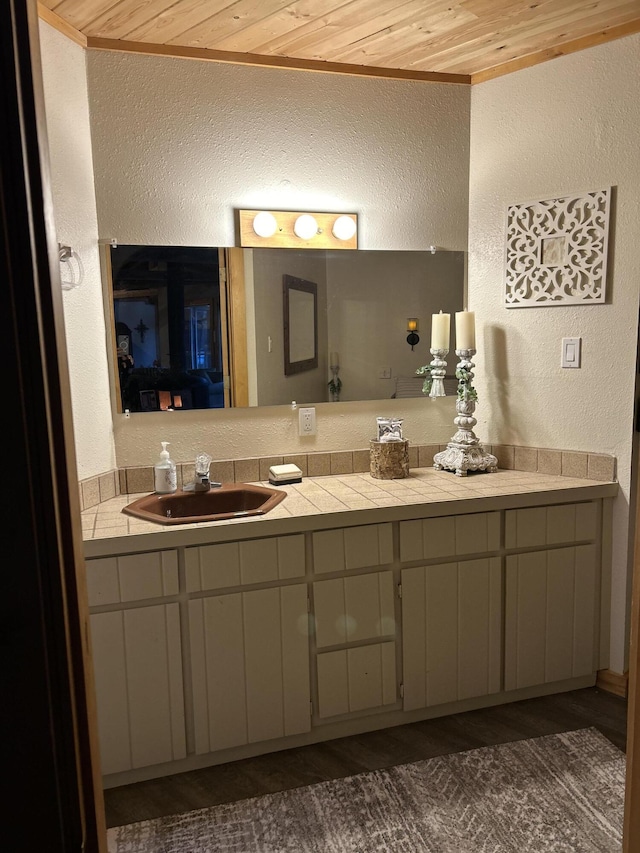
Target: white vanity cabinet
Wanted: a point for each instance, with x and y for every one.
(237, 645)
(137, 655)
(526, 616)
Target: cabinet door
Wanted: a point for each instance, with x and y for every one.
(250, 666)
(550, 618)
(138, 673)
(451, 632)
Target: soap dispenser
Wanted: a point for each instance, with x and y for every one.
(165, 473)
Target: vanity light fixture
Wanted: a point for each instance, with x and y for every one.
(286, 229)
(412, 327)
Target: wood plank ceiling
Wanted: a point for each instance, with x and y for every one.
(456, 40)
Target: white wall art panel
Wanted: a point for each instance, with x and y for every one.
(557, 251)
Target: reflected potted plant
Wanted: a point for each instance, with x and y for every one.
(334, 385)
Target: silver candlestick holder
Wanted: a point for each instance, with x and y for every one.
(438, 369)
(465, 452)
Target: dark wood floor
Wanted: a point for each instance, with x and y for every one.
(280, 771)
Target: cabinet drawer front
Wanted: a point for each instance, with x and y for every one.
(451, 536)
(133, 577)
(452, 632)
(352, 548)
(550, 616)
(356, 679)
(551, 525)
(353, 609)
(243, 563)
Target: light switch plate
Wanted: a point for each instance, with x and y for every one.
(571, 352)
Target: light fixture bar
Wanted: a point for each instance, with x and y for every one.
(294, 229)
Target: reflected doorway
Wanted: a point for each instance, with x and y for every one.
(168, 327)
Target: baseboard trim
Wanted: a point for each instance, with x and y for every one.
(613, 682)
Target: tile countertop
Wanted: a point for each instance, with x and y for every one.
(340, 501)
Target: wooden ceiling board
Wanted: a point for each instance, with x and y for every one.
(118, 21)
(486, 44)
(354, 22)
(221, 18)
(80, 13)
(514, 42)
(215, 31)
(255, 28)
(468, 33)
(602, 37)
(356, 29)
(380, 48)
(424, 37)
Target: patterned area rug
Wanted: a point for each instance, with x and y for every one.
(556, 793)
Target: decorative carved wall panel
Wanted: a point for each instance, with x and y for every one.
(556, 251)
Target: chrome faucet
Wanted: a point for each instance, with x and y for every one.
(201, 482)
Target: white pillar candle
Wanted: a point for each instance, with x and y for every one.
(465, 330)
(440, 325)
(334, 359)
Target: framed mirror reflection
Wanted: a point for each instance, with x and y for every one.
(209, 328)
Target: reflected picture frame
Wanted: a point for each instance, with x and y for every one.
(300, 324)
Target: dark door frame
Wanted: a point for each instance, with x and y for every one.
(52, 797)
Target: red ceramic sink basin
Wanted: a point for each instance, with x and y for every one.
(232, 500)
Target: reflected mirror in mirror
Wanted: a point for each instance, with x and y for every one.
(189, 336)
(300, 324)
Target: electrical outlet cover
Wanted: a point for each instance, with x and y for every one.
(306, 421)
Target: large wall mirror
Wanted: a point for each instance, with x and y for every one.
(215, 328)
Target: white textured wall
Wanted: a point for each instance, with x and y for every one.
(67, 113)
(179, 144)
(565, 126)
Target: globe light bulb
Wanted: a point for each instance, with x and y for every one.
(305, 227)
(264, 224)
(344, 228)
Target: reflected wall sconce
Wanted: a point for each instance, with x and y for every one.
(413, 337)
(285, 229)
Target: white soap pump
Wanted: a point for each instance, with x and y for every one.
(166, 480)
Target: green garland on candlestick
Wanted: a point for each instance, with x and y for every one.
(466, 391)
(428, 378)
